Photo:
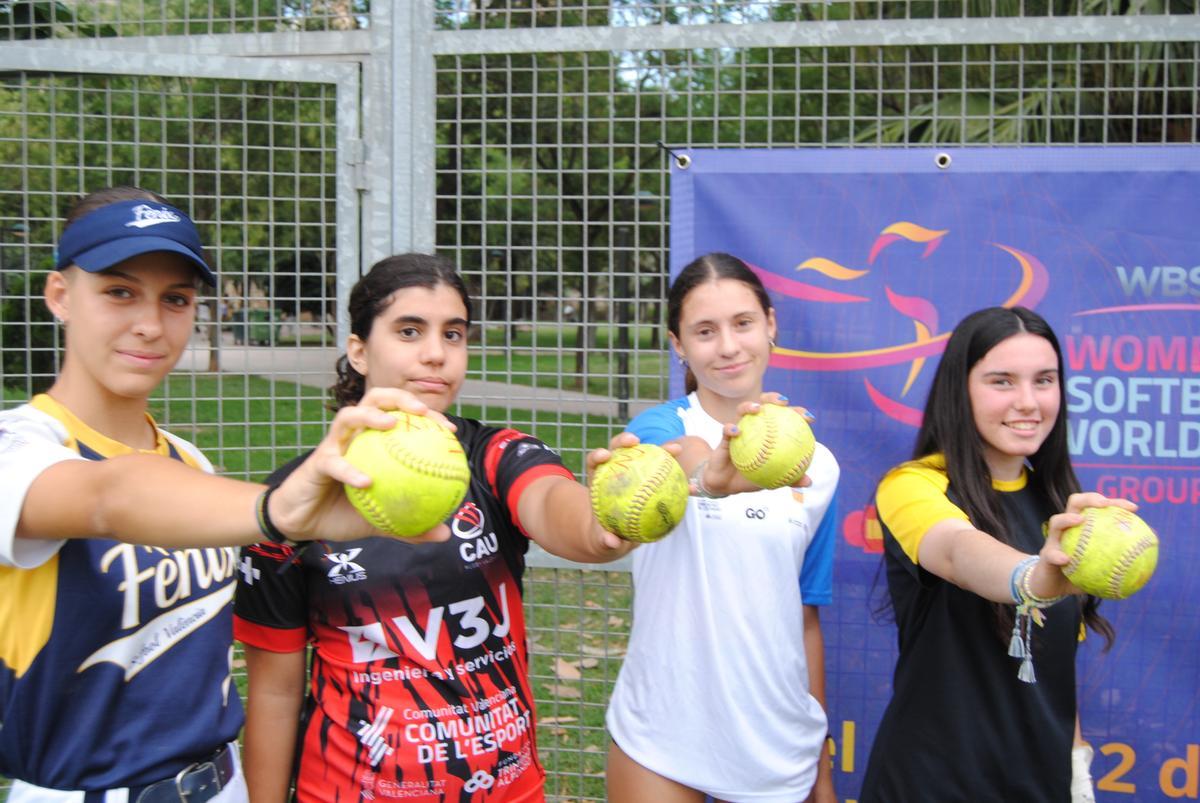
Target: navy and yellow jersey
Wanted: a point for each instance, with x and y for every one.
(960, 724)
(114, 659)
(420, 669)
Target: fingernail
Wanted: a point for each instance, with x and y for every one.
(735, 429)
(783, 399)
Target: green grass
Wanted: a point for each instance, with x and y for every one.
(547, 357)
(250, 425)
(306, 339)
(580, 619)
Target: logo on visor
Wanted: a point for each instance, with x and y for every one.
(144, 216)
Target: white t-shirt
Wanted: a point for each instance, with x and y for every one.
(714, 691)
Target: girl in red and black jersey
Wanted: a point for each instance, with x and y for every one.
(419, 680)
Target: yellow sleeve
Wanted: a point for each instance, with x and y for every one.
(911, 499)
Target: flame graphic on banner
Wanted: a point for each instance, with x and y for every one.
(910, 232)
(1031, 288)
(925, 319)
(1031, 285)
(831, 269)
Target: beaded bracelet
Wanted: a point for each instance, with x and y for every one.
(1028, 613)
(1021, 586)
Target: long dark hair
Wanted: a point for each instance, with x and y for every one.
(373, 293)
(949, 429)
(709, 268)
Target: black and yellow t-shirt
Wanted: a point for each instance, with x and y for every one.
(961, 726)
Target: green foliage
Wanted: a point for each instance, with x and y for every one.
(28, 340)
(44, 19)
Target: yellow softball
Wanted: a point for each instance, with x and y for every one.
(773, 447)
(419, 475)
(1113, 553)
(640, 493)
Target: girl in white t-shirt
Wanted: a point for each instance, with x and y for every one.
(722, 690)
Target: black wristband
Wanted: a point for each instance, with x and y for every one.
(265, 525)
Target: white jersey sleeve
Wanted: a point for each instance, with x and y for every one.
(30, 442)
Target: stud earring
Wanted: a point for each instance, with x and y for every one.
(682, 362)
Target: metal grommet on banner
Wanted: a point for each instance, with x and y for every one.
(942, 160)
(682, 160)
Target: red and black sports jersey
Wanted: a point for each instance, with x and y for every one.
(419, 683)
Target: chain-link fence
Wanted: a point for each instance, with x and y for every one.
(527, 141)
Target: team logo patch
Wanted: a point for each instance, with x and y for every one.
(525, 448)
(145, 215)
(344, 569)
(370, 735)
(468, 521)
(479, 546)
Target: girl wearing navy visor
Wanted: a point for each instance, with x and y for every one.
(117, 563)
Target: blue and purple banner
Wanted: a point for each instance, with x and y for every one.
(871, 258)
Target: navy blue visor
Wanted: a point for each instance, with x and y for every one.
(117, 232)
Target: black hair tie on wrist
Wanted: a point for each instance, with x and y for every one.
(265, 525)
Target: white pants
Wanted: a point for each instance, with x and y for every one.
(21, 792)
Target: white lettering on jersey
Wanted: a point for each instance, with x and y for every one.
(139, 649)
(369, 642)
(174, 574)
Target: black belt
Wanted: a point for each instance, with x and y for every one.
(194, 783)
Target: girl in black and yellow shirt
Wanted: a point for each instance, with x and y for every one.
(983, 705)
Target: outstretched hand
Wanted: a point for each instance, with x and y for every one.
(311, 503)
(720, 476)
(1048, 574)
(598, 456)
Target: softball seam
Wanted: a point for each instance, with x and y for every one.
(1126, 562)
(767, 444)
(1085, 534)
(649, 488)
(375, 516)
(413, 460)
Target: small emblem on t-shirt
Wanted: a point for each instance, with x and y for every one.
(249, 571)
(344, 569)
(370, 734)
(10, 440)
(468, 522)
(470, 525)
(709, 508)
